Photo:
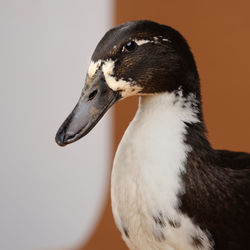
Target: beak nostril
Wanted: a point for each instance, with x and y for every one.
(92, 95)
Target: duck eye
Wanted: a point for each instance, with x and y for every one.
(130, 46)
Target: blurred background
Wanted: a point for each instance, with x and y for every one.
(58, 198)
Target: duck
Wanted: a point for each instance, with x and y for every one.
(169, 188)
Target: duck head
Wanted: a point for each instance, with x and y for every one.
(135, 58)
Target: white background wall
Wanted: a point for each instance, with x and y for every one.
(49, 196)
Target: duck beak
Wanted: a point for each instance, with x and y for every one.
(95, 100)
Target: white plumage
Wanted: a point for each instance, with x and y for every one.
(146, 179)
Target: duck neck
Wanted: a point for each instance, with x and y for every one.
(178, 113)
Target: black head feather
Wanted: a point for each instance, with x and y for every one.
(164, 63)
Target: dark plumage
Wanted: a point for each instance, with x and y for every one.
(217, 194)
(142, 58)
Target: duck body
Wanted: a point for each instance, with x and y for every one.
(169, 188)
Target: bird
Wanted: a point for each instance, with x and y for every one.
(169, 188)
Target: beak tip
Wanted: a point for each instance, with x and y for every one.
(60, 138)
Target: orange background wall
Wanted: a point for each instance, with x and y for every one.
(219, 34)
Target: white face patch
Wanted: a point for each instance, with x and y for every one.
(93, 67)
(126, 88)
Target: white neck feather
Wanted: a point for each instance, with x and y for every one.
(148, 163)
(154, 144)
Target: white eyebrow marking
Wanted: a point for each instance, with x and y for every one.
(140, 42)
(143, 41)
(93, 67)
